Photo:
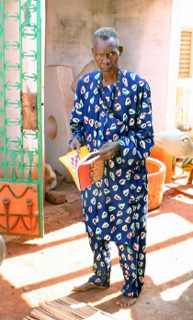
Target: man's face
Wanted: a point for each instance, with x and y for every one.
(106, 54)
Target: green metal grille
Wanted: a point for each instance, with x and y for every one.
(20, 72)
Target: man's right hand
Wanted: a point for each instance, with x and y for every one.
(74, 145)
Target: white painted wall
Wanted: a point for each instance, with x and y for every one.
(173, 64)
(181, 20)
(187, 84)
(186, 11)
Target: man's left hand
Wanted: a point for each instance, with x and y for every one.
(109, 149)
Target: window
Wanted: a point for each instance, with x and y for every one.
(185, 55)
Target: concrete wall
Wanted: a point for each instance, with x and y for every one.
(144, 27)
(58, 104)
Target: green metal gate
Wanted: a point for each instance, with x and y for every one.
(21, 182)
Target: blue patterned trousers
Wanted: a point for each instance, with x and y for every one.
(132, 261)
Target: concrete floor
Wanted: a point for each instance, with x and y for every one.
(46, 269)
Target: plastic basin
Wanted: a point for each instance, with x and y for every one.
(156, 177)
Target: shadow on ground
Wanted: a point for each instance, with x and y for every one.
(47, 269)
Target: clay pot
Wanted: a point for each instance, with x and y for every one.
(156, 176)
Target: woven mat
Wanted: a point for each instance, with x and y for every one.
(67, 309)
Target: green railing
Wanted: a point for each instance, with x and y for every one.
(20, 147)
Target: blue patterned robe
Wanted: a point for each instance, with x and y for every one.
(115, 207)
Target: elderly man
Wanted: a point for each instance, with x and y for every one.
(112, 113)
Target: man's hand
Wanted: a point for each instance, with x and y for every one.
(74, 145)
(109, 149)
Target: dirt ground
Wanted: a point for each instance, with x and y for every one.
(36, 270)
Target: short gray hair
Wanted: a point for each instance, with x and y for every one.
(105, 34)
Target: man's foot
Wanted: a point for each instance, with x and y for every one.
(125, 301)
(87, 286)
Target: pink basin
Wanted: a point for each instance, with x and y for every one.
(156, 176)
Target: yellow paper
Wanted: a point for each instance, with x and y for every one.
(86, 168)
(71, 159)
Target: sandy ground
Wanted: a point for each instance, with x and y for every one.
(36, 270)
